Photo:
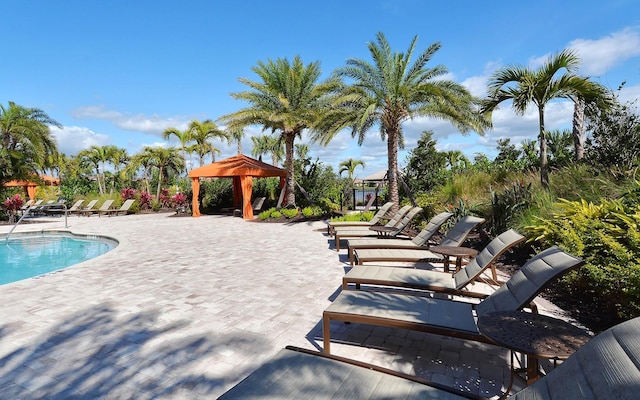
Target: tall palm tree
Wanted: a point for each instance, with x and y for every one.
(25, 141)
(119, 159)
(287, 99)
(266, 144)
(349, 166)
(202, 133)
(555, 79)
(184, 137)
(391, 90)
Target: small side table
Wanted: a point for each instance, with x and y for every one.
(454, 251)
(534, 335)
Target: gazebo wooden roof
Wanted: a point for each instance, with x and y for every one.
(30, 186)
(242, 169)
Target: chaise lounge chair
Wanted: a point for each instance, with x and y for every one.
(443, 316)
(256, 207)
(454, 237)
(395, 225)
(604, 368)
(82, 210)
(103, 208)
(123, 209)
(436, 281)
(382, 213)
(418, 242)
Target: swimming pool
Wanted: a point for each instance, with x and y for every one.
(26, 255)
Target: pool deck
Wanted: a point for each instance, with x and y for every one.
(187, 307)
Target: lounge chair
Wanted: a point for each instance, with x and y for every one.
(82, 210)
(382, 213)
(454, 237)
(443, 316)
(604, 368)
(76, 206)
(60, 208)
(123, 209)
(26, 206)
(103, 208)
(417, 242)
(436, 281)
(256, 207)
(360, 231)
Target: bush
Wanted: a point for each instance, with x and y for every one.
(289, 212)
(607, 237)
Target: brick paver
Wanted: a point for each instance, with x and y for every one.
(187, 307)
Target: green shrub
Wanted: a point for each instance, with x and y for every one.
(360, 216)
(266, 214)
(307, 212)
(276, 214)
(289, 212)
(607, 237)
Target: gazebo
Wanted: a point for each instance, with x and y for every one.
(30, 187)
(242, 169)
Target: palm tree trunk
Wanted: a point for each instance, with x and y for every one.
(544, 165)
(159, 184)
(578, 128)
(392, 174)
(289, 137)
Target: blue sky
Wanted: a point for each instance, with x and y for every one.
(120, 72)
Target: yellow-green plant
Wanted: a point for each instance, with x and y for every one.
(606, 236)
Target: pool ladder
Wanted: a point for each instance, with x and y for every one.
(26, 212)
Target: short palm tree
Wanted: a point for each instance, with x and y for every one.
(166, 160)
(202, 133)
(555, 79)
(184, 137)
(392, 90)
(287, 99)
(349, 166)
(270, 145)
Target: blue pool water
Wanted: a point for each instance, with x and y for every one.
(27, 255)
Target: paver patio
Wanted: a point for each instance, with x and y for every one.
(187, 307)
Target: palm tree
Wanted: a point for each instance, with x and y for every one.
(119, 159)
(594, 95)
(287, 100)
(236, 133)
(184, 137)
(265, 144)
(349, 166)
(25, 141)
(525, 86)
(166, 160)
(202, 133)
(390, 91)
(97, 157)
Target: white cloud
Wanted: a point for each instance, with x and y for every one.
(153, 125)
(72, 139)
(599, 55)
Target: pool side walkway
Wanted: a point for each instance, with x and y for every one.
(187, 307)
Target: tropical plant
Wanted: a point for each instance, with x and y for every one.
(265, 144)
(11, 206)
(287, 100)
(25, 141)
(525, 86)
(202, 133)
(166, 160)
(184, 137)
(96, 157)
(390, 91)
(349, 166)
